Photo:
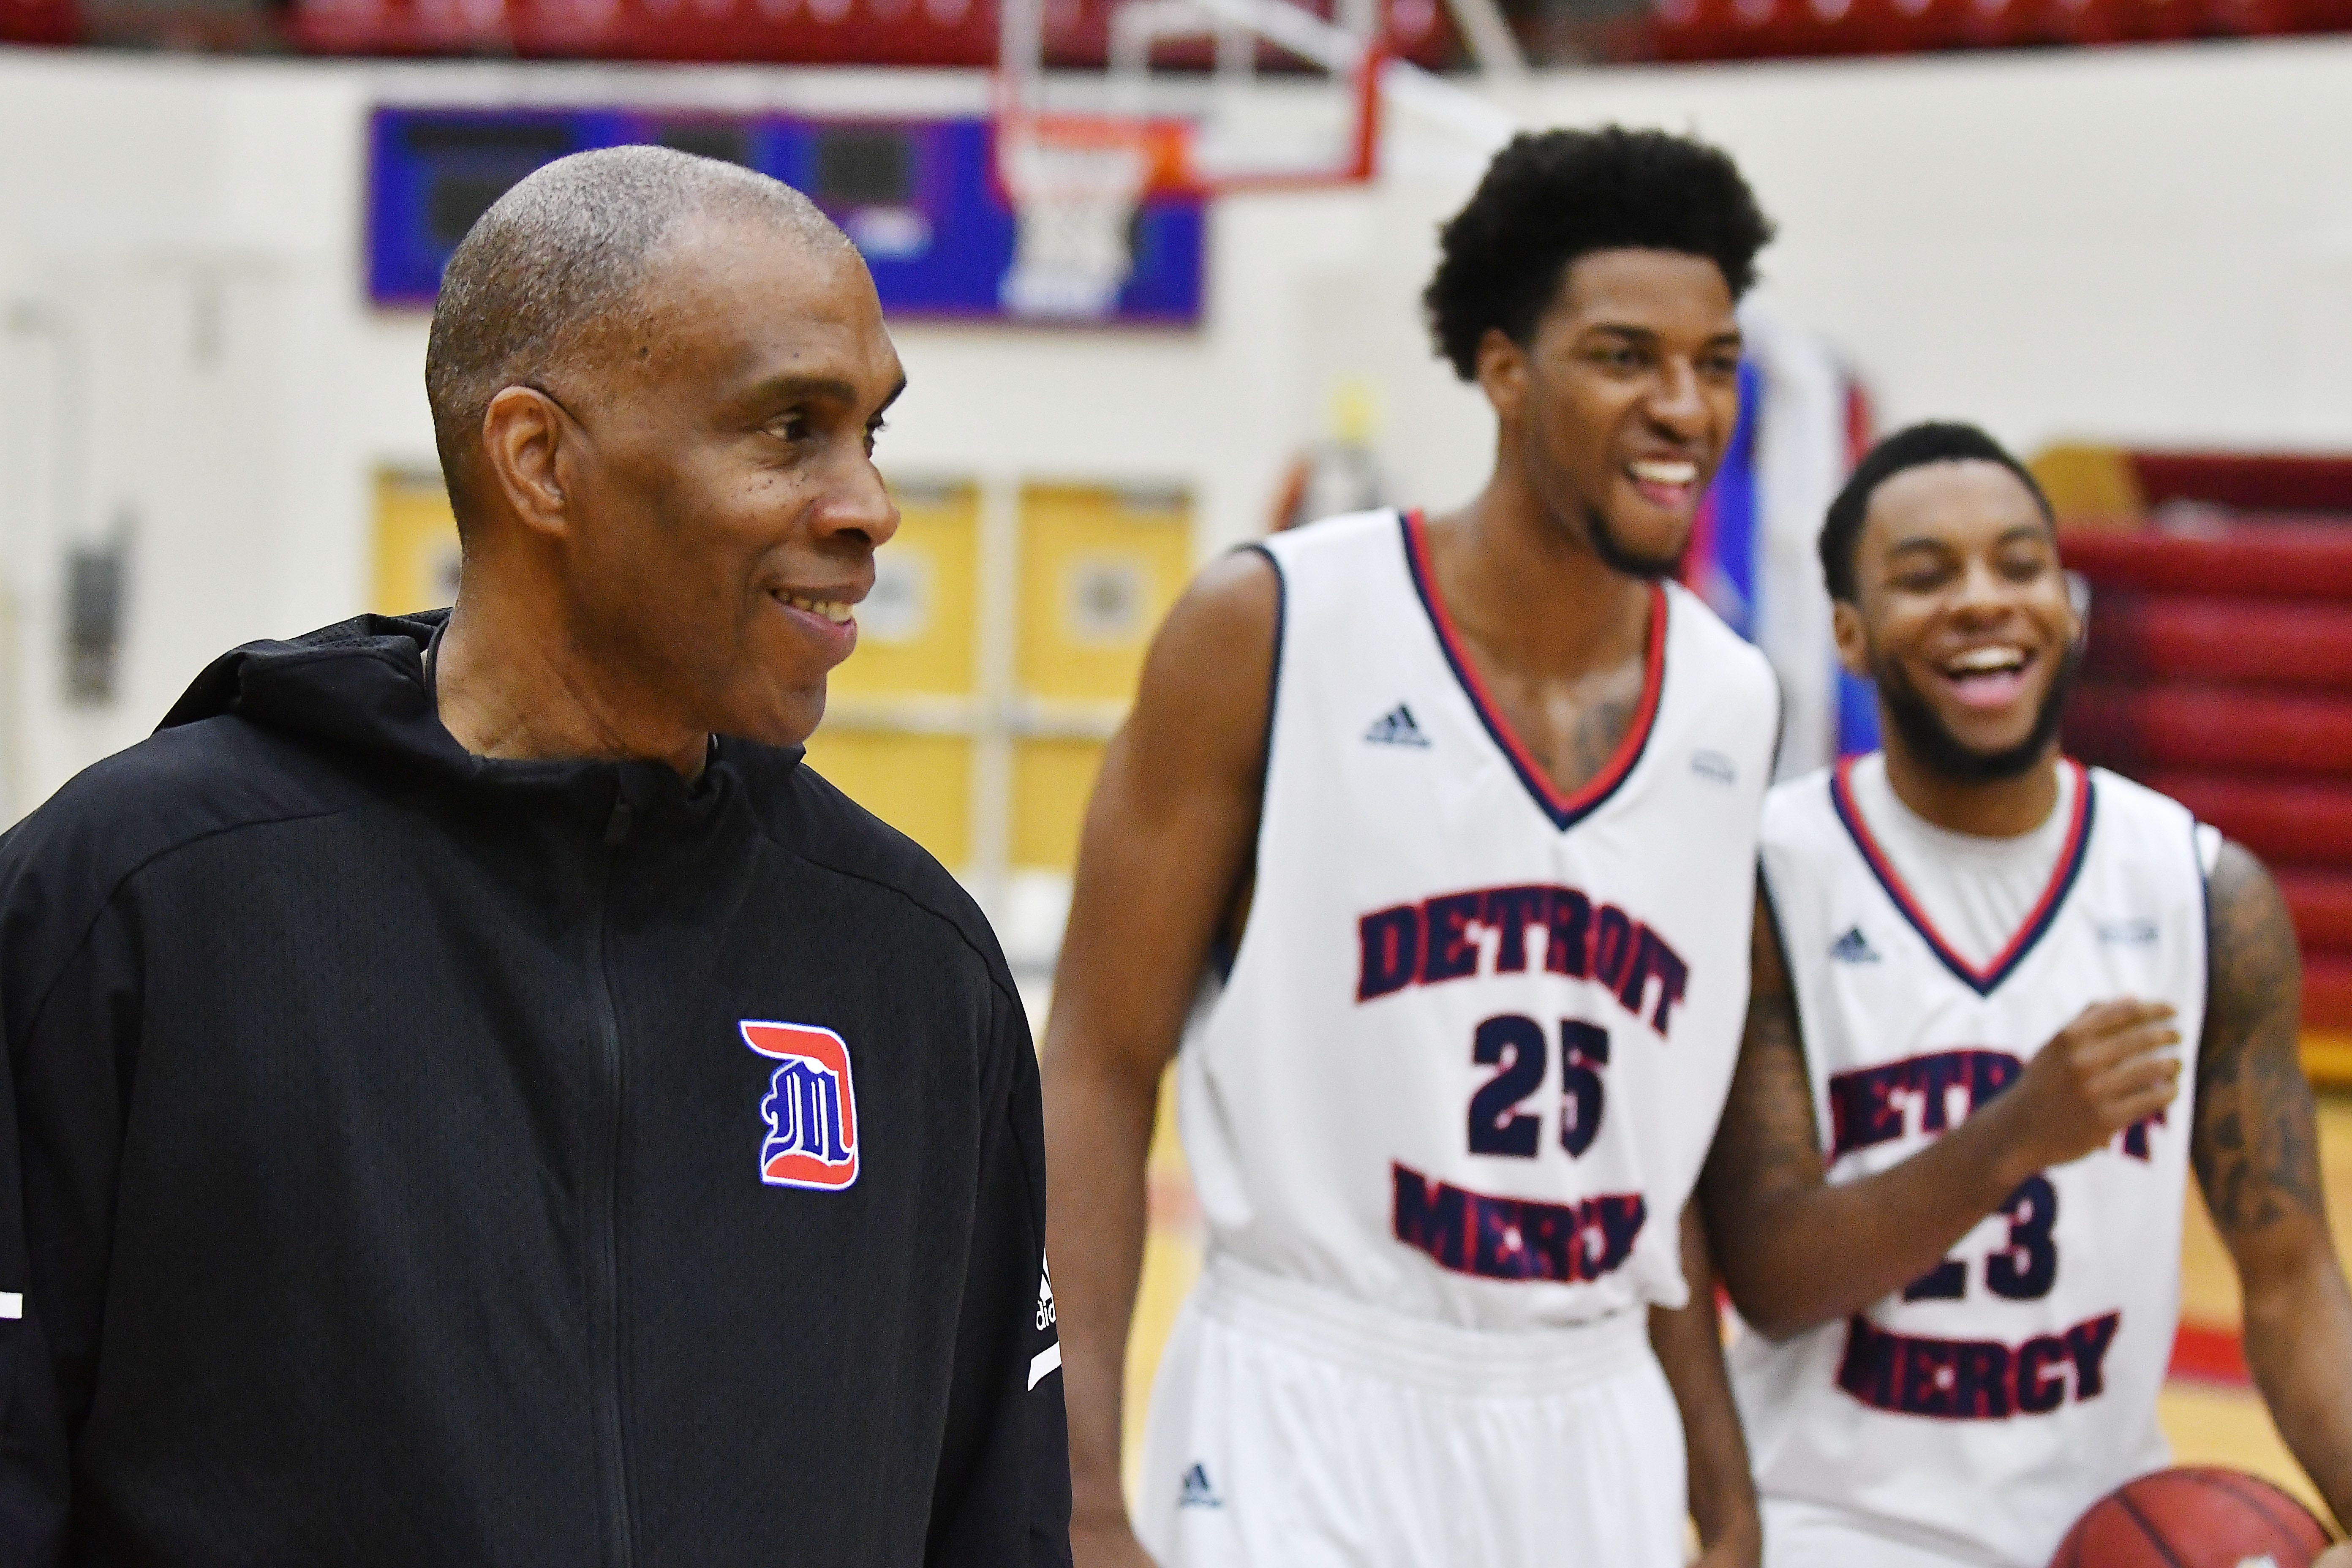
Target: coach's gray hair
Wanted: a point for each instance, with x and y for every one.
(567, 248)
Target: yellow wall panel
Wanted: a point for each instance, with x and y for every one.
(1051, 780)
(2090, 483)
(915, 630)
(415, 545)
(1100, 567)
(920, 784)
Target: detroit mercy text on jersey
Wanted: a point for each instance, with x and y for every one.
(1985, 1405)
(1477, 1034)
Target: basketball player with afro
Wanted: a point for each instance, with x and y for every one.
(1983, 974)
(1456, 815)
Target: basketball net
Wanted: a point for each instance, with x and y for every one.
(1075, 184)
(1075, 180)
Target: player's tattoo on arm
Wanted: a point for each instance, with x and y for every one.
(2255, 1143)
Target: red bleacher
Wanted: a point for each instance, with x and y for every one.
(800, 32)
(2219, 671)
(1759, 29)
(39, 22)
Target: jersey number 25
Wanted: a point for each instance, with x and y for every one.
(1517, 1045)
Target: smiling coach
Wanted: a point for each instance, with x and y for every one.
(475, 1097)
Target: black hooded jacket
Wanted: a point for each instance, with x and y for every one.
(388, 1174)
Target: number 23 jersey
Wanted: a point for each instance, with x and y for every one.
(1988, 1403)
(1476, 1037)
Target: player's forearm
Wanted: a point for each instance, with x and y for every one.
(1098, 1134)
(2298, 1333)
(1811, 1255)
(1688, 1343)
(1689, 1347)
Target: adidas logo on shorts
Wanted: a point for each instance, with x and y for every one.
(1196, 1491)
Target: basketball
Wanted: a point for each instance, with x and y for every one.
(2197, 1517)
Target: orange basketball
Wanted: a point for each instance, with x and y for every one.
(2198, 1516)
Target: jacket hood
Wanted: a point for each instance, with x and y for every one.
(360, 684)
(361, 687)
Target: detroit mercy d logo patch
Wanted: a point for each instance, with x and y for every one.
(810, 1108)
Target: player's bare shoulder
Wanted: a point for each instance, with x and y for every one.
(1207, 681)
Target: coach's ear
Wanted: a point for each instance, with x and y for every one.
(1503, 372)
(1853, 637)
(524, 436)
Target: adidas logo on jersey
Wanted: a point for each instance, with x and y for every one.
(1853, 948)
(1197, 1492)
(1396, 727)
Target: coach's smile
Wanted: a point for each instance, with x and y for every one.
(837, 611)
(827, 617)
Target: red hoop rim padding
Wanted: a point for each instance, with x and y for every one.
(1169, 141)
(1166, 142)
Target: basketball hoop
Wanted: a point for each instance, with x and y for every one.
(1077, 156)
(1076, 182)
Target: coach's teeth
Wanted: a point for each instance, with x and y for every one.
(1665, 473)
(833, 610)
(1978, 660)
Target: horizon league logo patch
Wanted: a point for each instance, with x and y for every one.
(811, 1108)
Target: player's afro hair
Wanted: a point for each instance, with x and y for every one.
(1915, 447)
(1552, 196)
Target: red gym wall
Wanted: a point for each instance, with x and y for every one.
(2219, 671)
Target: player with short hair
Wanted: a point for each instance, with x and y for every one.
(1948, 1190)
(1458, 813)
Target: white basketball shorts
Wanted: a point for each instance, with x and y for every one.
(1799, 1534)
(1292, 1428)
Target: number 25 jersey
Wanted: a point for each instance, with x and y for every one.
(1988, 1403)
(1475, 1038)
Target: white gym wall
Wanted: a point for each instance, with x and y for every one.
(2145, 245)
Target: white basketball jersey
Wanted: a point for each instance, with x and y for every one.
(1473, 1046)
(1984, 1407)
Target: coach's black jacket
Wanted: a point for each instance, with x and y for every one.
(380, 1159)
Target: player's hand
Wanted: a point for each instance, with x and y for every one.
(1745, 1549)
(2110, 1067)
(1098, 1542)
(2337, 1556)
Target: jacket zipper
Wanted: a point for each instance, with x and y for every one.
(608, 1305)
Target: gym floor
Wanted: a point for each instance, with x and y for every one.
(2210, 1411)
